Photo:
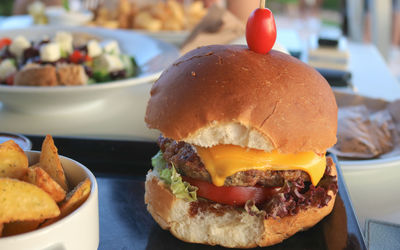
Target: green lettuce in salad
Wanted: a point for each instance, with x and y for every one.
(181, 189)
(129, 64)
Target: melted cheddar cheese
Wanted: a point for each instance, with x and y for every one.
(222, 161)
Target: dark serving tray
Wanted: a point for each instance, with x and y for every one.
(120, 168)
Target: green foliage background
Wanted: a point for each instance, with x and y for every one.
(6, 7)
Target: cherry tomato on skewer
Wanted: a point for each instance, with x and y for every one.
(261, 30)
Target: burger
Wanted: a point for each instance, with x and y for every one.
(242, 148)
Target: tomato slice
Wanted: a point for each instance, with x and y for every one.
(232, 195)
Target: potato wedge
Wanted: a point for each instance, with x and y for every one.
(36, 165)
(29, 176)
(37, 176)
(19, 227)
(13, 161)
(74, 199)
(50, 162)
(23, 201)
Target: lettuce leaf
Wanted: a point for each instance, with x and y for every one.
(253, 210)
(158, 162)
(181, 189)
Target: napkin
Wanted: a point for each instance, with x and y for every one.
(367, 127)
(219, 26)
(382, 235)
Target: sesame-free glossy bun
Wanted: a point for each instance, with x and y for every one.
(228, 94)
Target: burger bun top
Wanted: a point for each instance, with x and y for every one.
(228, 94)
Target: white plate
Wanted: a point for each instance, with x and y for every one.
(175, 37)
(370, 164)
(57, 15)
(374, 192)
(151, 55)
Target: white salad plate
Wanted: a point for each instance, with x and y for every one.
(151, 55)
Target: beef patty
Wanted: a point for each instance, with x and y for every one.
(188, 163)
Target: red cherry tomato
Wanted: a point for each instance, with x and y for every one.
(87, 58)
(261, 31)
(76, 56)
(233, 195)
(5, 42)
(79, 57)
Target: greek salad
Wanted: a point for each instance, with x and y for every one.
(23, 61)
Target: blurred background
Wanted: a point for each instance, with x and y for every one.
(122, 46)
(366, 21)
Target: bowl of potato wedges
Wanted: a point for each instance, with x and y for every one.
(47, 201)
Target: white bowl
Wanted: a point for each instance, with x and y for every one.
(174, 37)
(152, 56)
(59, 16)
(79, 230)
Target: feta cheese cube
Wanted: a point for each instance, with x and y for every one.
(93, 48)
(108, 63)
(111, 47)
(7, 68)
(50, 52)
(18, 45)
(64, 39)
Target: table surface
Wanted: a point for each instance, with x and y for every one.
(373, 192)
(123, 214)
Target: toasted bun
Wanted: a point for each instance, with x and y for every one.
(227, 94)
(231, 229)
(36, 75)
(71, 74)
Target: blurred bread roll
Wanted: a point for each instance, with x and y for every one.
(150, 15)
(144, 20)
(176, 11)
(158, 11)
(172, 24)
(195, 12)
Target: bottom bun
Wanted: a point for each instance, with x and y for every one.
(233, 228)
